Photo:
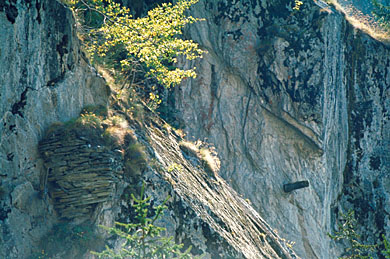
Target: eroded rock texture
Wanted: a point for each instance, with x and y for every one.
(47, 192)
(43, 79)
(288, 96)
(86, 182)
(283, 95)
(204, 210)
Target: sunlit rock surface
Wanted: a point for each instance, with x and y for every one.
(284, 96)
(290, 95)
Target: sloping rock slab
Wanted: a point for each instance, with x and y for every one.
(204, 210)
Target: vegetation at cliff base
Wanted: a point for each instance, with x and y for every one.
(347, 233)
(386, 244)
(143, 239)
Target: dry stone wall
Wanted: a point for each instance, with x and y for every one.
(79, 173)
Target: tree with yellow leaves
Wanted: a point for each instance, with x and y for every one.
(153, 41)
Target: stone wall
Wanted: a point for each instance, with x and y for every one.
(80, 173)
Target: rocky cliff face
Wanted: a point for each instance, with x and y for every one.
(294, 95)
(283, 95)
(43, 78)
(58, 184)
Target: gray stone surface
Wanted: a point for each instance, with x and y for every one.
(284, 96)
(43, 78)
(203, 210)
(287, 96)
(365, 6)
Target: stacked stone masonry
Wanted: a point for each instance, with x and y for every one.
(79, 174)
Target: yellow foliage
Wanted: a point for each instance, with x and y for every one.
(297, 5)
(153, 40)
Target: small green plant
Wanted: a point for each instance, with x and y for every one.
(90, 119)
(143, 239)
(173, 167)
(386, 243)
(348, 234)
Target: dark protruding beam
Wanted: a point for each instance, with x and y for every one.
(289, 187)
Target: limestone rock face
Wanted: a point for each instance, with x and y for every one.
(203, 211)
(284, 96)
(43, 78)
(51, 181)
(287, 96)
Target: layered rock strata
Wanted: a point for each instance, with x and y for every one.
(286, 96)
(203, 211)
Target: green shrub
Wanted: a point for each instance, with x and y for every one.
(145, 50)
(143, 239)
(386, 244)
(347, 233)
(174, 167)
(152, 41)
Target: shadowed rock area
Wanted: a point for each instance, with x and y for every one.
(44, 78)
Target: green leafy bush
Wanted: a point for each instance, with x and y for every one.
(386, 244)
